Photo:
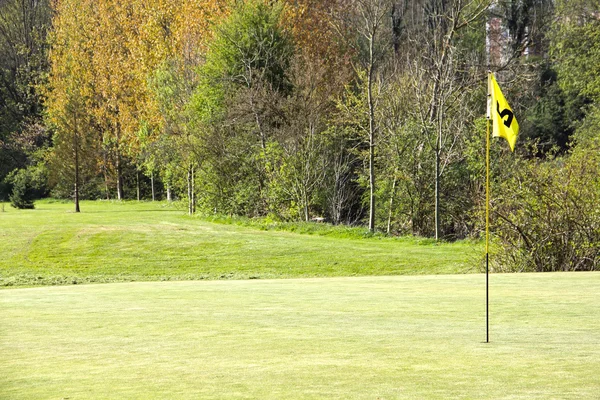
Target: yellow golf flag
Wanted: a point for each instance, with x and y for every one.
(504, 123)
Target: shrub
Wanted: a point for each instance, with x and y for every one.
(27, 185)
(547, 216)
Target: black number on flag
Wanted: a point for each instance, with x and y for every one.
(504, 113)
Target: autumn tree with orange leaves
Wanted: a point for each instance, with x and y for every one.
(111, 49)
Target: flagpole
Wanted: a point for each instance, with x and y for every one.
(487, 213)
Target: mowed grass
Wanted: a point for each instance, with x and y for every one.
(416, 337)
(131, 241)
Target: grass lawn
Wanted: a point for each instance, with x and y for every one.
(358, 338)
(131, 241)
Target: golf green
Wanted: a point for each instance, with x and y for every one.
(363, 338)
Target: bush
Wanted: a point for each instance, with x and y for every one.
(547, 217)
(27, 185)
(22, 195)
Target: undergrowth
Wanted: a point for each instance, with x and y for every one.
(309, 228)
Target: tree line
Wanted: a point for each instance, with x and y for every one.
(363, 112)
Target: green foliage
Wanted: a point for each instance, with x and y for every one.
(27, 185)
(172, 85)
(251, 45)
(22, 195)
(237, 109)
(23, 68)
(412, 202)
(548, 215)
(306, 228)
(576, 48)
(250, 50)
(551, 121)
(586, 135)
(341, 194)
(170, 151)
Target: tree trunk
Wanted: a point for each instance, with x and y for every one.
(189, 188)
(193, 189)
(437, 186)
(106, 188)
(137, 183)
(152, 184)
(119, 177)
(371, 135)
(76, 174)
(169, 198)
(120, 194)
(305, 200)
(105, 172)
(392, 195)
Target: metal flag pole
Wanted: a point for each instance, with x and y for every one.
(487, 212)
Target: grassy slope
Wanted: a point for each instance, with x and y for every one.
(361, 338)
(111, 242)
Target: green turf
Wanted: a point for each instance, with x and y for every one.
(131, 241)
(415, 337)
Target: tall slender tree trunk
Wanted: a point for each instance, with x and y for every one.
(436, 114)
(371, 134)
(305, 201)
(119, 176)
(76, 139)
(392, 195)
(438, 171)
(105, 172)
(137, 184)
(437, 186)
(106, 188)
(191, 190)
(152, 184)
(434, 117)
(120, 194)
(169, 197)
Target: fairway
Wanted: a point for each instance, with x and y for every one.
(363, 338)
(137, 241)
